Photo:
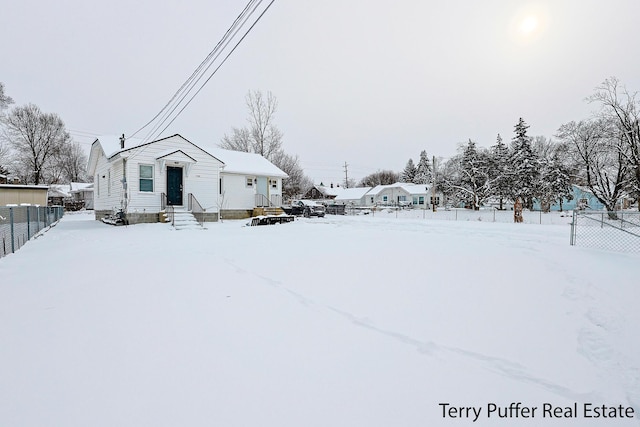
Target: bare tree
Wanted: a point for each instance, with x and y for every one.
(261, 136)
(384, 177)
(600, 151)
(297, 183)
(621, 109)
(36, 138)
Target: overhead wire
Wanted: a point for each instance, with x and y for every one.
(199, 72)
(218, 67)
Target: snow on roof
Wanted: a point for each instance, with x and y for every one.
(241, 162)
(351, 193)
(111, 144)
(408, 187)
(59, 190)
(77, 186)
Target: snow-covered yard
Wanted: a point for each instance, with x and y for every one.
(342, 321)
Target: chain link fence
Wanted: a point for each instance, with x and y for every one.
(614, 231)
(18, 224)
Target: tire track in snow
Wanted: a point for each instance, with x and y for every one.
(498, 365)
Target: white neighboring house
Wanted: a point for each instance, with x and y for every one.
(141, 178)
(416, 195)
(351, 196)
(247, 181)
(82, 192)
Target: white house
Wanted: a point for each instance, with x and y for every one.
(142, 178)
(406, 194)
(351, 196)
(247, 181)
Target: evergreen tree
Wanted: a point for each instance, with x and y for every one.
(424, 174)
(409, 172)
(526, 166)
(500, 171)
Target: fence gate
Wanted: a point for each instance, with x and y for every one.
(615, 231)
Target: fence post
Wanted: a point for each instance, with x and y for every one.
(13, 245)
(28, 222)
(572, 238)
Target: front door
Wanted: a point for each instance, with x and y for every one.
(174, 186)
(263, 189)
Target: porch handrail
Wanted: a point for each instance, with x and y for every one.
(262, 201)
(168, 209)
(196, 209)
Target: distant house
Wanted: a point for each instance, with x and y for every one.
(321, 192)
(352, 196)
(582, 198)
(82, 194)
(58, 195)
(405, 194)
(143, 178)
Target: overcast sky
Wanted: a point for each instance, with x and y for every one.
(366, 82)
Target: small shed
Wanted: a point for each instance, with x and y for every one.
(11, 194)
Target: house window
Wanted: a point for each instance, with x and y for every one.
(385, 198)
(274, 183)
(437, 201)
(249, 181)
(146, 178)
(220, 186)
(421, 200)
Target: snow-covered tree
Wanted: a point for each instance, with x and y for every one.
(525, 164)
(605, 166)
(621, 110)
(424, 174)
(555, 183)
(500, 171)
(409, 172)
(467, 176)
(36, 140)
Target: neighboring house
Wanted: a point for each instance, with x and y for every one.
(3, 179)
(247, 181)
(582, 198)
(12, 194)
(351, 196)
(321, 192)
(406, 194)
(58, 195)
(82, 194)
(142, 178)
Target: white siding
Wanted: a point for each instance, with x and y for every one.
(199, 178)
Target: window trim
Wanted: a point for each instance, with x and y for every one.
(140, 178)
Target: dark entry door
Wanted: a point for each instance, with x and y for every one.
(174, 185)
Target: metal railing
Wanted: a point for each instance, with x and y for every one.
(616, 231)
(19, 224)
(262, 201)
(196, 209)
(168, 209)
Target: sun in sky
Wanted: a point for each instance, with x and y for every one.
(529, 24)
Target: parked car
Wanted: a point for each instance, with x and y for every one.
(306, 208)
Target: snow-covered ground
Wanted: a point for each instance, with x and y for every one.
(342, 321)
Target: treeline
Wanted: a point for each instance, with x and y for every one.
(601, 153)
(35, 147)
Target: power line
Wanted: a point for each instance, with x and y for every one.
(217, 68)
(188, 86)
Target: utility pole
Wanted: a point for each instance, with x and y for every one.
(346, 176)
(433, 185)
